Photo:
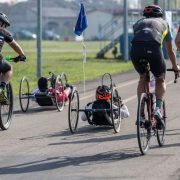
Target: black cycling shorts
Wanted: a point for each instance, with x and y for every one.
(4, 66)
(152, 52)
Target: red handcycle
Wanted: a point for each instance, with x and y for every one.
(51, 91)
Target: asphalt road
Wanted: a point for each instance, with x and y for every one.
(39, 145)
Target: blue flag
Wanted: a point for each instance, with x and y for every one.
(81, 23)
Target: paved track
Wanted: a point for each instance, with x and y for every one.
(39, 145)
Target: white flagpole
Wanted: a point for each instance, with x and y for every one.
(84, 61)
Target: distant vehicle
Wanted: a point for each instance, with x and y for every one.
(50, 35)
(25, 35)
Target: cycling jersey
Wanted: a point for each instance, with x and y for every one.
(151, 30)
(5, 36)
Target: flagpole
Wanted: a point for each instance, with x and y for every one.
(84, 61)
(81, 25)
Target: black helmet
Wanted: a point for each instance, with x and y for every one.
(43, 84)
(153, 11)
(4, 19)
(103, 93)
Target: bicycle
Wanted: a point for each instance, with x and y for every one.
(6, 111)
(146, 106)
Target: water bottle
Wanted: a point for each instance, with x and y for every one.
(152, 83)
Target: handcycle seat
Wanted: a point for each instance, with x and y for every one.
(43, 99)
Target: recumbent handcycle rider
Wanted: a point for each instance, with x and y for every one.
(103, 95)
(5, 67)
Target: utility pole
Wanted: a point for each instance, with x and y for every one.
(39, 38)
(126, 48)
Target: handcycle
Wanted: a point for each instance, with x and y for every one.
(6, 111)
(113, 110)
(146, 107)
(51, 91)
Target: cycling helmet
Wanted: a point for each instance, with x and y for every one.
(103, 93)
(4, 19)
(153, 11)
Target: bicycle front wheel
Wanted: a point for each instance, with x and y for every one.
(161, 132)
(6, 111)
(143, 116)
(73, 111)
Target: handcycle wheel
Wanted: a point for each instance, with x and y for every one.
(59, 93)
(24, 94)
(115, 111)
(73, 111)
(161, 133)
(6, 111)
(143, 133)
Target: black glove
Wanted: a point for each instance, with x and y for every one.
(19, 58)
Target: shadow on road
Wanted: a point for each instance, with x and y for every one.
(65, 161)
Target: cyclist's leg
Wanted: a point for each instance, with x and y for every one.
(158, 68)
(6, 71)
(160, 90)
(138, 52)
(6, 75)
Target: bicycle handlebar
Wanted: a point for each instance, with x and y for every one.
(176, 74)
(15, 59)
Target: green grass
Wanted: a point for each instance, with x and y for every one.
(63, 57)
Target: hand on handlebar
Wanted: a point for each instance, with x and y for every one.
(19, 58)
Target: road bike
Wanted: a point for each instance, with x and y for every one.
(146, 106)
(6, 111)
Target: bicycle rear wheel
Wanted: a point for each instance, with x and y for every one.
(161, 133)
(115, 111)
(24, 94)
(73, 111)
(6, 111)
(59, 93)
(143, 133)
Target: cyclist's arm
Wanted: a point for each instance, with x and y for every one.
(177, 40)
(172, 56)
(16, 47)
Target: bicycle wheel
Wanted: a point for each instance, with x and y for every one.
(115, 111)
(73, 111)
(59, 93)
(143, 133)
(161, 133)
(6, 111)
(24, 94)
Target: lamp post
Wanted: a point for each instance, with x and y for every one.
(39, 37)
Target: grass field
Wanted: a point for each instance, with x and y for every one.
(65, 57)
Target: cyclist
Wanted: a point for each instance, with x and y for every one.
(6, 70)
(149, 34)
(177, 40)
